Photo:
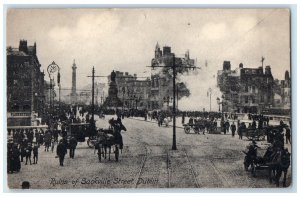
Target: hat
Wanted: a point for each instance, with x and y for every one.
(25, 185)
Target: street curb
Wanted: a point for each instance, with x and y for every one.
(153, 122)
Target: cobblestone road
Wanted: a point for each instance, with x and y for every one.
(147, 161)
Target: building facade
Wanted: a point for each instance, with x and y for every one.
(133, 93)
(25, 85)
(162, 79)
(246, 90)
(283, 92)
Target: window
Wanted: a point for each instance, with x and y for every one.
(253, 89)
(253, 100)
(262, 99)
(246, 88)
(246, 99)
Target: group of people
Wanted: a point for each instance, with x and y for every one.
(25, 143)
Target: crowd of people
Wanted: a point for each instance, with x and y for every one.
(24, 144)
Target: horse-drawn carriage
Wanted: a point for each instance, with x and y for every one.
(106, 139)
(276, 160)
(254, 133)
(81, 131)
(197, 128)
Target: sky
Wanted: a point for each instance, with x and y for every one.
(125, 39)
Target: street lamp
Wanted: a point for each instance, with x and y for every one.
(51, 69)
(209, 93)
(219, 103)
(123, 91)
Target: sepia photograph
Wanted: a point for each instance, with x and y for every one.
(148, 98)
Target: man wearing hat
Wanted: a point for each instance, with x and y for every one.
(28, 151)
(35, 151)
(72, 146)
(233, 129)
(61, 151)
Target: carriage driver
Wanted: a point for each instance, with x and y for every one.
(252, 150)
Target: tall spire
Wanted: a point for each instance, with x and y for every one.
(157, 46)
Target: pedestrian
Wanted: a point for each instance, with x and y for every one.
(288, 135)
(61, 151)
(53, 143)
(28, 151)
(240, 130)
(72, 146)
(233, 129)
(47, 139)
(55, 135)
(22, 149)
(25, 185)
(35, 151)
(16, 164)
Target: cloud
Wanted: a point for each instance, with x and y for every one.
(125, 40)
(215, 31)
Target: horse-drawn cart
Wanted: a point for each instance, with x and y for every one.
(276, 160)
(108, 139)
(254, 134)
(197, 128)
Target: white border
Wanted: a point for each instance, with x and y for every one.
(147, 3)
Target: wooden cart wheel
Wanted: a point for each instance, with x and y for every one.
(187, 130)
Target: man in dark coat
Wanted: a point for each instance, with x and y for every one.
(72, 146)
(35, 153)
(61, 151)
(28, 151)
(16, 158)
(233, 129)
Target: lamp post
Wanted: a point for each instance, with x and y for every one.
(51, 69)
(123, 92)
(219, 103)
(209, 93)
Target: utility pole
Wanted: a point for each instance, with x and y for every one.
(174, 72)
(93, 94)
(174, 105)
(262, 62)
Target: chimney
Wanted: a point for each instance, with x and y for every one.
(23, 46)
(226, 65)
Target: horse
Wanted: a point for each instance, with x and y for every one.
(276, 160)
(110, 138)
(280, 162)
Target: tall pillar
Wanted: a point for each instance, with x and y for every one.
(73, 93)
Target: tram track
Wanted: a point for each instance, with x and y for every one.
(142, 167)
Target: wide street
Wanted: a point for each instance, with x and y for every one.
(147, 161)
